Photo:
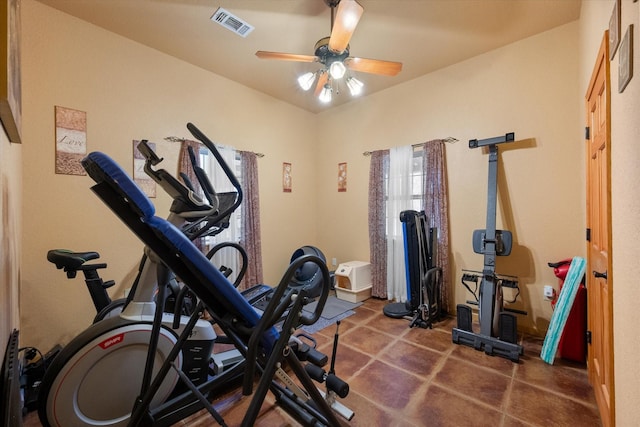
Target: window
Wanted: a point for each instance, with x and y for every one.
(227, 257)
(416, 185)
(404, 182)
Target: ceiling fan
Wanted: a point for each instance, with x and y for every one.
(333, 53)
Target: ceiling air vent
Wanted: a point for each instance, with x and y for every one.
(231, 22)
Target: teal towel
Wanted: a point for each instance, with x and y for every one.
(562, 309)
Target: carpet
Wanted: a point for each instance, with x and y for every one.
(335, 309)
(324, 322)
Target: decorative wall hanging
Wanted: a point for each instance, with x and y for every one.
(71, 140)
(10, 86)
(342, 177)
(614, 30)
(143, 180)
(625, 60)
(286, 177)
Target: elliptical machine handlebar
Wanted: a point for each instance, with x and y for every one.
(186, 202)
(203, 180)
(223, 164)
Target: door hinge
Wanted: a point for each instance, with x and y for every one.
(587, 135)
(588, 337)
(588, 234)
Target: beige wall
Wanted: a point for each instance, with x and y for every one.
(132, 92)
(625, 204)
(528, 88)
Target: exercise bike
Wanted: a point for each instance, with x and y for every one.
(109, 374)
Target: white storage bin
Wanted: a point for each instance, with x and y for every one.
(353, 275)
(353, 281)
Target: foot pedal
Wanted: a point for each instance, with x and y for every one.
(508, 328)
(464, 317)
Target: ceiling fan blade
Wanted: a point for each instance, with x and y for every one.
(347, 16)
(322, 80)
(286, 56)
(373, 66)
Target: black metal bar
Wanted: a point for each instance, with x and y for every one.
(203, 400)
(140, 406)
(488, 338)
(475, 143)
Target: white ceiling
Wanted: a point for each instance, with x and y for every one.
(425, 35)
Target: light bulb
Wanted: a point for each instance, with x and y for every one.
(355, 86)
(306, 80)
(325, 95)
(337, 69)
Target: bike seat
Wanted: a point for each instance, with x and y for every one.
(69, 260)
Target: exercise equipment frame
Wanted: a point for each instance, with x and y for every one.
(498, 331)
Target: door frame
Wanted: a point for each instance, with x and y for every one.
(606, 406)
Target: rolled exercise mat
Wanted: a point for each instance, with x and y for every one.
(562, 309)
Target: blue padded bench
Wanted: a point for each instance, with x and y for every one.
(128, 201)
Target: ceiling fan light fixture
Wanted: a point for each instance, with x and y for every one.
(306, 80)
(325, 94)
(337, 69)
(355, 86)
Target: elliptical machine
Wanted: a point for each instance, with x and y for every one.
(498, 324)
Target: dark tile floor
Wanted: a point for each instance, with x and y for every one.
(417, 377)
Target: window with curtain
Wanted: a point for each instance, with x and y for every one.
(244, 223)
(227, 257)
(404, 191)
(405, 178)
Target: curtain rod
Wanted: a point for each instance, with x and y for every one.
(449, 139)
(177, 139)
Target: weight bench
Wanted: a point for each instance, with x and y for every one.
(264, 347)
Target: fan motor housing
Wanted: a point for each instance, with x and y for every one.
(326, 55)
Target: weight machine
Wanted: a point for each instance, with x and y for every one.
(498, 325)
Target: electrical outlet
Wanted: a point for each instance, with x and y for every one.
(548, 292)
(334, 262)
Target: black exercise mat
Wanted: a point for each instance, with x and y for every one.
(333, 308)
(324, 322)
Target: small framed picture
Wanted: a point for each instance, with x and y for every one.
(286, 177)
(342, 177)
(625, 60)
(614, 30)
(71, 140)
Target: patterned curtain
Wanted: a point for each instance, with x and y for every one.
(436, 207)
(377, 237)
(250, 224)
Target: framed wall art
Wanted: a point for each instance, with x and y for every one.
(71, 140)
(614, 29)
(625, 59)
(286, 177)
(10, 82)
(342, 177)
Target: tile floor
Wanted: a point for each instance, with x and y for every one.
(417, 377)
